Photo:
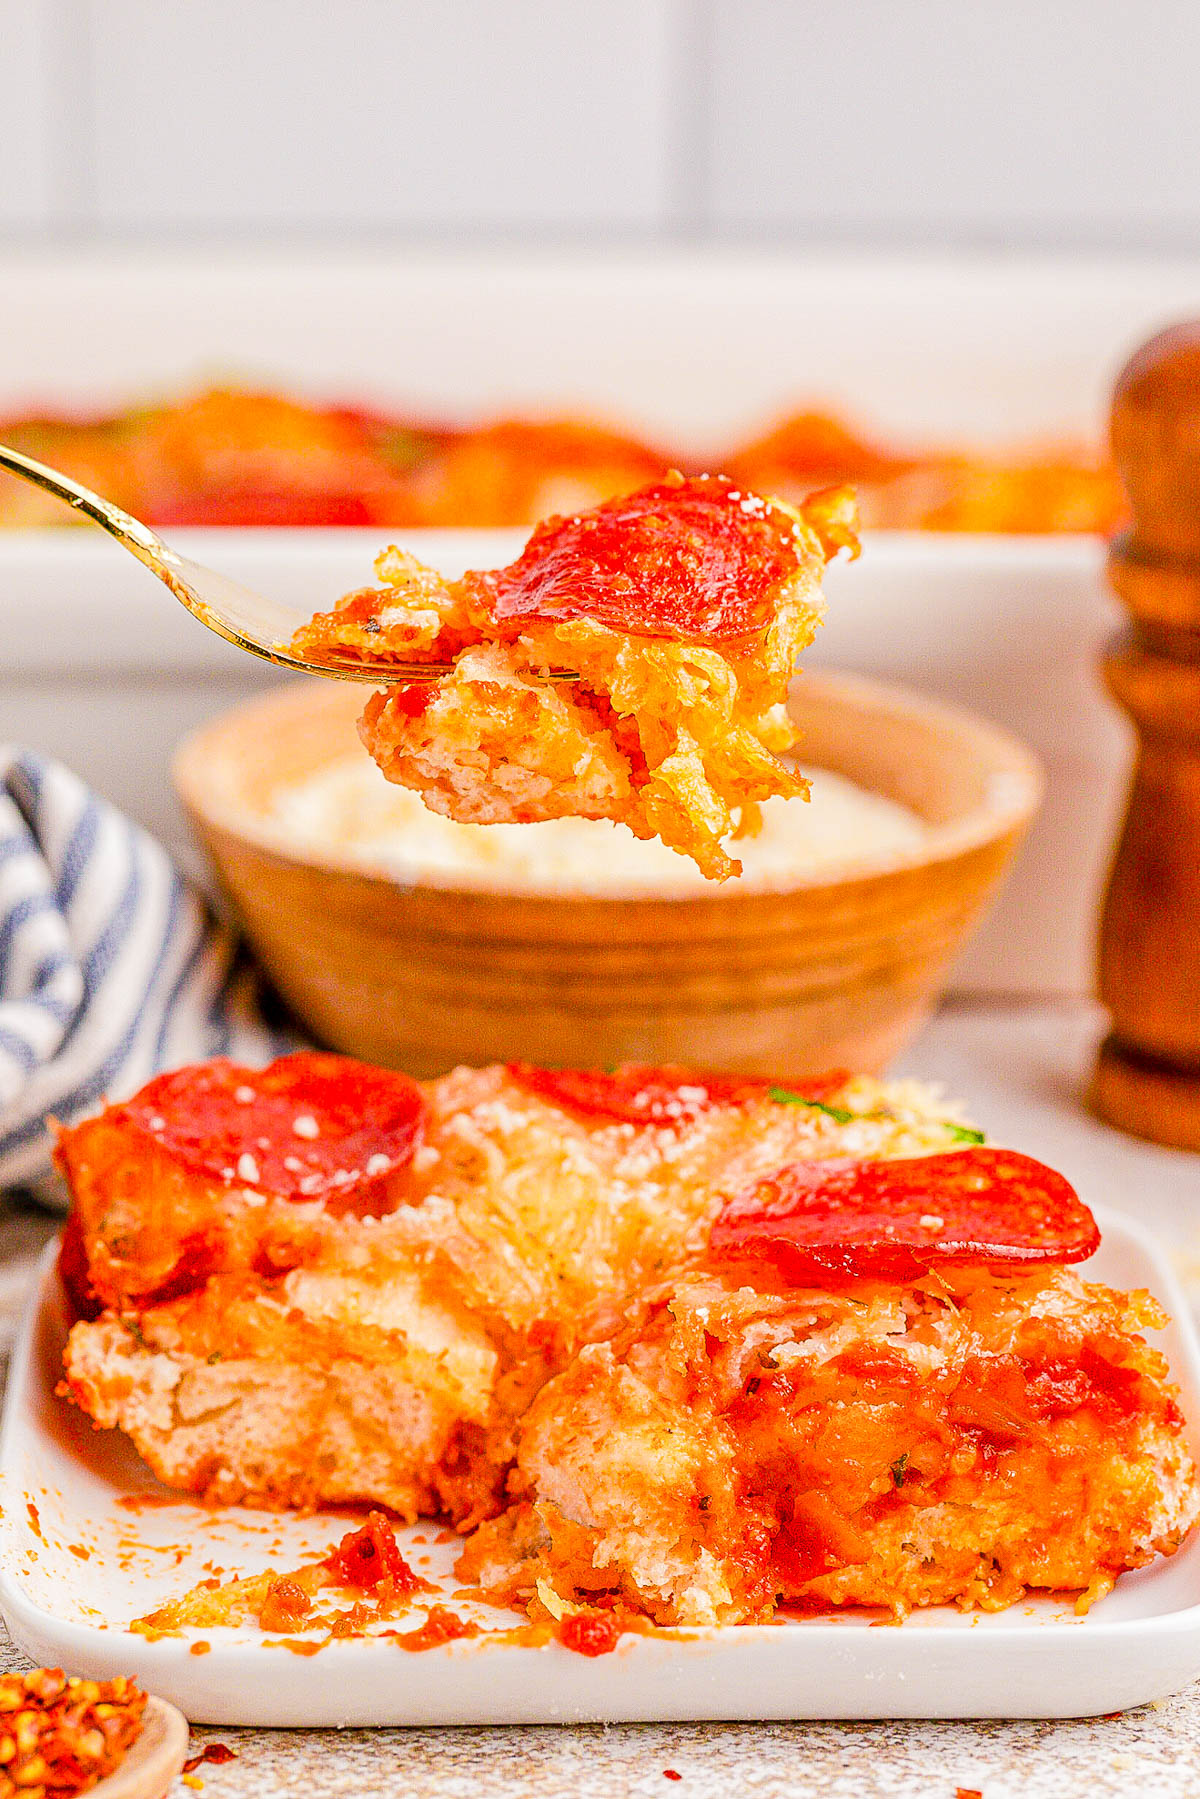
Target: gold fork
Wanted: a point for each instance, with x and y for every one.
(236, 613)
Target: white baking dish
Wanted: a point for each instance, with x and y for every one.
(100, 667)
(696, 347)
(700, 350)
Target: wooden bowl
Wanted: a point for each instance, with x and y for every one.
(150, 1764)
(837, 970)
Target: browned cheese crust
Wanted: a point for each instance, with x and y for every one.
(531, 1342)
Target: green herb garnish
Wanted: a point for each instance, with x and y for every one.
(962, 1133)
(783, 1096)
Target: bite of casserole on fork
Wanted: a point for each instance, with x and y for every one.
(679, 610)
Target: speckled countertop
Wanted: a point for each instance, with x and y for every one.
(1019, 1068)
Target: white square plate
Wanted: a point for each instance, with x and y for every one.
(77, 1564)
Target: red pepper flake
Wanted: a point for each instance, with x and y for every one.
(968, 1793)
(589, 1633)
(216, 1753)
(696, 560)
(367, 1557)
(637, 1093)
(334, 1129)
(59, 1736)
(842, 1218)
(670, 1774)
(35, 1520)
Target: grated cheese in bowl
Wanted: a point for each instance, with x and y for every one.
(384, 829)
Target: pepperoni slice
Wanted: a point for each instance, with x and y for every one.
(979, 1207)
(636, 1093)
(697, 560)
(310, 1127)
(643, 1093)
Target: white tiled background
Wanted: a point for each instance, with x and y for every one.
(962, 122)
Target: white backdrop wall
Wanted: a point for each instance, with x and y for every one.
(985, 122)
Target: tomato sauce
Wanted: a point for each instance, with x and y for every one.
(412, 698)
(366, 1558)
(216, 1754)
(816, 1540)
(590, 1633)
(441, 1626)
(74, 1272)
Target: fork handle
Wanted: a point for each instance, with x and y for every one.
(136, 537)
(171, 568)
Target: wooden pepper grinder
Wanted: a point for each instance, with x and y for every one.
(1147, 1079)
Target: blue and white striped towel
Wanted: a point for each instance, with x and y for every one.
(111, 965)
